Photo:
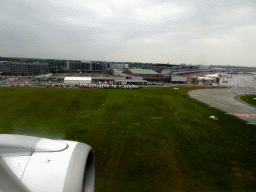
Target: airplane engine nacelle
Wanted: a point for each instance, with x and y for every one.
(42, 165)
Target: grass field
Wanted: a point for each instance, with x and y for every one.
(150, 139)
(249, 99)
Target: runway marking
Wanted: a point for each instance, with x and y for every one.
(228, 113)
(251, 123)
(253, 115)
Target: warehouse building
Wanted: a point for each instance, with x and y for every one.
(77, 80)
(17, 68)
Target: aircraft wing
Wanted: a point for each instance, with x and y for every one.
(42, 165)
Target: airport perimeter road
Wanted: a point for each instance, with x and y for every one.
(225, 100)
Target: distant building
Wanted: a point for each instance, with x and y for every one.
(178, 79)
(116, 72)
(142, 72)
(85, 66)
(17, 68)
(120, 66)
(166, 71)
(148, 75)
(131, 82)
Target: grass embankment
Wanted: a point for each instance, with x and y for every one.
(151, 139)
(249, 99)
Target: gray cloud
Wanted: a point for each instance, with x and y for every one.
(184, 31)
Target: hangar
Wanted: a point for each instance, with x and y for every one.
(71, 80)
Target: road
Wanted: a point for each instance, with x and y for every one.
(227, 99)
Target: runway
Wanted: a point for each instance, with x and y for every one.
(227, 99)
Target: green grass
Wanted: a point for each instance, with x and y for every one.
(249, 99)
(150, 139)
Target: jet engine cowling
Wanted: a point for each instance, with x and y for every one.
(43, 165)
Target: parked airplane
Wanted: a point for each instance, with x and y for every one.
(216, 75)
(205, 78)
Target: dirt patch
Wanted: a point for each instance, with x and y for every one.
(136, 123)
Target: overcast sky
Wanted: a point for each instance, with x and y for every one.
(157, 31)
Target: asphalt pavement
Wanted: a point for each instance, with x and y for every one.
(227, 99)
